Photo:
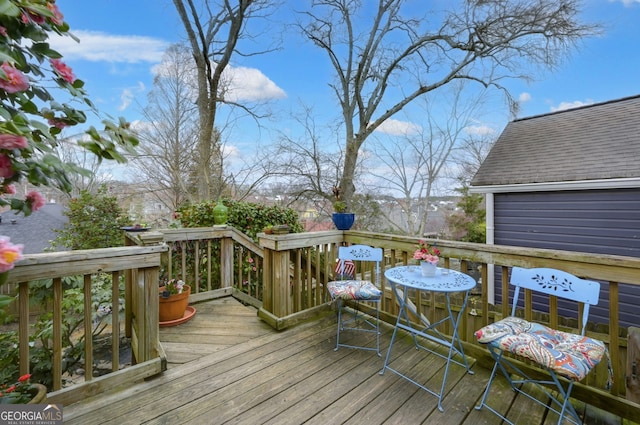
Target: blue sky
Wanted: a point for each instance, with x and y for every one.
(121, 42)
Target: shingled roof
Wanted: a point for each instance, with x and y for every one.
(35, 231)
(599, 141)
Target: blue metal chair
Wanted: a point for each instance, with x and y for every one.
(566, 357)
(357, 290)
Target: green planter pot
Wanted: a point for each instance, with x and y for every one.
(220, 213)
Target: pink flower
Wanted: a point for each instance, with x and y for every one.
(426, 253)
(5, 166)
(11, 141)
(55, 122)
(174, 286)
(10, 189)
(57, 19)
(3, 32)
(35, 200)
(9, 254)
(13, 81)
(428, 258)
(31, 16)
(63, 70)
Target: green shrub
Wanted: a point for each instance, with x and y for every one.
(94, 222)
(247, 217)
(468, 224)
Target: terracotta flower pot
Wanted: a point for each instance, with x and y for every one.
(173, 307)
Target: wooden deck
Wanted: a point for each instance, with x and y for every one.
(228, 367)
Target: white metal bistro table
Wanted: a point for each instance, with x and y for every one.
(403, 279)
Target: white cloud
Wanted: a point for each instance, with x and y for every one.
(230, 151)
(250, 84)
(102, 47)
(128, 95)
(246, 84)
(524, 97)
(479, 130)
(139, 125)
(398, 128)
(241, 84)
(628, 2)
(570, 105)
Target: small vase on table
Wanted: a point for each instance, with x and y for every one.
(428, 256)
(428, 269)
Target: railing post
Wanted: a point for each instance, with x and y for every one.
(151, 278)
(282, 299)
(277, 298)
(226, 263)
(128, 302)
(267, 280)
(23, 326)
(145, 315)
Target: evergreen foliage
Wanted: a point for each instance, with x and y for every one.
(469, 224)
(249, 218)
(94, 222)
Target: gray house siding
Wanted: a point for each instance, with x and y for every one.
(597, 221)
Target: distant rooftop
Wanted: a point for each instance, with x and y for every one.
(35, 231)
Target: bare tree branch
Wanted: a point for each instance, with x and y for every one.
(413, 163)
(384, 61)
(213, 31)
(166, 161)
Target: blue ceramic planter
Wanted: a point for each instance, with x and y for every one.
(343, 221)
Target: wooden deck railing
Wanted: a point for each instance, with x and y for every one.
(297, 268)
(214, 261)
(138, 268)
(285, 277)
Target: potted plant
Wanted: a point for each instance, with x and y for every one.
(23, 392)
(280, 229)
(428, 256)
(174, 298)
(342, 219)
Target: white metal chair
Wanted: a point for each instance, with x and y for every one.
(566, 357)
(351, 289)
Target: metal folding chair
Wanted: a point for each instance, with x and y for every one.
(348, 288)
(566, 357)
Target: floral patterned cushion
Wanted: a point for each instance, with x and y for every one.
(569, 355)
(353, 290)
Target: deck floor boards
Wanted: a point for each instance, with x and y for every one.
(228, 367)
